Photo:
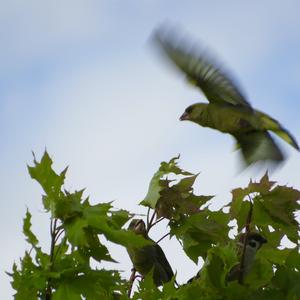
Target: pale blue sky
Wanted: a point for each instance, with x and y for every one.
(81, 78)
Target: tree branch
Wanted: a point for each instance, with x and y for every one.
(53, 233)
(131, 280)
(247, 226)
(151, 221)
(163, 237)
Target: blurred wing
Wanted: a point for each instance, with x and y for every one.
(200, 69)
(259, 146)
(269, 123)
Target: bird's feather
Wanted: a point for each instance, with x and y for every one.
(269, 123)
(201, 70)
(258, 146)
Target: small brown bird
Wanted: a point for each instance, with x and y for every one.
(150, 257)
(253, 244)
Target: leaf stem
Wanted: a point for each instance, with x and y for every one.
(53, 233)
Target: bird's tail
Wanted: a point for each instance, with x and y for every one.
(258, 146)
(273, 125)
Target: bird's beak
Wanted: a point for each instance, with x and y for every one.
(264, 241)
(184, 116)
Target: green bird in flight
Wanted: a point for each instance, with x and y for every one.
(149, 258)
(228, 110)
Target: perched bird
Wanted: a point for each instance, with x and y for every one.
(253, 244)
(150, 257)
(228, 110)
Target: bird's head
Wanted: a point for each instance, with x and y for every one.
(254, 240)
(138, 226)
(253, 244)
(193, 112)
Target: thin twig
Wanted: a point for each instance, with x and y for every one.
(156, 222)
(58, 249)
(151, 220)
(58, 234)
(131, 280)
(148, 213)
(53, 237)
(248, 223)
(163, 237)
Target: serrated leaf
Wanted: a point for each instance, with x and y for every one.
(217, 264)
(157, 184)
(43, 173)
(275, 206)
(95, 249)
(199, 232)
(75, 231)
(185, 184)
(66, 291)
(119, 236)
(148, 290)
(120, 217)
(154, 190)
(31, 238)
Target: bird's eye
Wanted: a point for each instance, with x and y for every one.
(189, 110)
(252, 244)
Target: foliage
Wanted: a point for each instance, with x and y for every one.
(68, 270)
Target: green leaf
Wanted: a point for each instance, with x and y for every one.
(95, 249)
(157, 184)
(120, 217)
(75, 231)
(31, 238)
(261, 272)
(29, 280)
(148, 290)
(199, 232)
(66, 291)
(287, 281)
(43, 173)
(293, 259)
(272, 205)
(274, 255)
(281, 204)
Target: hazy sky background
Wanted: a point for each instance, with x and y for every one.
(81, 78)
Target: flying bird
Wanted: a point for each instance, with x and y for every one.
(149, 258)
(253, 243)
(228, 109)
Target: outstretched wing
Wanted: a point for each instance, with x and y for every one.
(200, 69)
(269, 123)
